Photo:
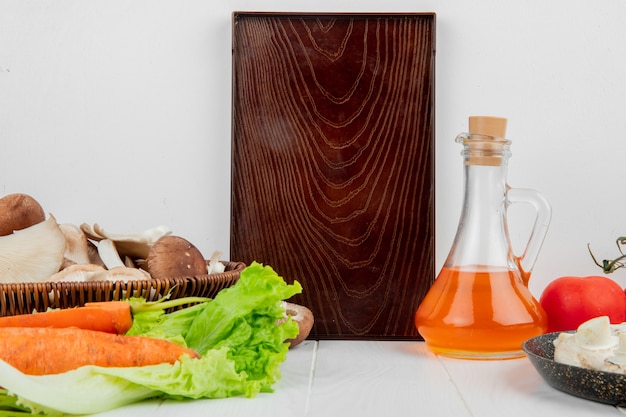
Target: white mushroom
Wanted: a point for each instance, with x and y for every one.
(121, 273)
(134, 245)
(592, 343)
(77, 273)
(596, 334)
(617, 361)
(215, 266)
(33, 253)
(109, 255)
(94, 256)
(91, 272)
(128, 262)
(76, 244)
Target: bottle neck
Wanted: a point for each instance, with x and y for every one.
(485, 188)
(482, 238)
(485, 161)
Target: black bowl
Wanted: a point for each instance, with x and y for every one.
(600, 386)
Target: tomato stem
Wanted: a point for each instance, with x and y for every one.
(610, 266)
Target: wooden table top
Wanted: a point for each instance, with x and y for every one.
(388, 378)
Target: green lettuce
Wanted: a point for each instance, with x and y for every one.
(236, 334)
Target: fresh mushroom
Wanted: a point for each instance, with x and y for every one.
(134, 245)
(589, 346)
(91, 272)
(19, 211)
(33, 253)
(303, 317)
(109, 255)
(76, 244)
(215, 266)
(77, 273)
(173, 257)
(94, 256)
(121, 273)
(617, 361)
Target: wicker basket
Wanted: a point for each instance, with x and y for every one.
(21, 298)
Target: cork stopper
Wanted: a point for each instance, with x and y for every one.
(488, 126)
(487, 146)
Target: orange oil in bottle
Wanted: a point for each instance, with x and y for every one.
(479, 313)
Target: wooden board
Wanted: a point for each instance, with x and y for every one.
(333, 163)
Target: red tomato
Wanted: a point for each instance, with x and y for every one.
(570, 301)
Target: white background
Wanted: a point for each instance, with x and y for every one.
(118, 112)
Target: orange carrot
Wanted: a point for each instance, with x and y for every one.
(105, 316)
(44, 351)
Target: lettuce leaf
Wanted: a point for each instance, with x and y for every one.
(237, 335)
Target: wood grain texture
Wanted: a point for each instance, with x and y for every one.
(333, 163)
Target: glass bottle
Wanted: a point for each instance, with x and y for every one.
(480, 307)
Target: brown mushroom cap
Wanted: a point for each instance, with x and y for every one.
(173, 256)
(303, 317)
(19, 211)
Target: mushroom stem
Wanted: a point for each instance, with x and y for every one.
(108, 254)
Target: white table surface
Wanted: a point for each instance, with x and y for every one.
(388, 378)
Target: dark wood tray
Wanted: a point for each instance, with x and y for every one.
(333, 162)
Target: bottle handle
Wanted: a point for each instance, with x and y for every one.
(543, 211)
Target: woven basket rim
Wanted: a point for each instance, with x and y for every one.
(26, 297)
